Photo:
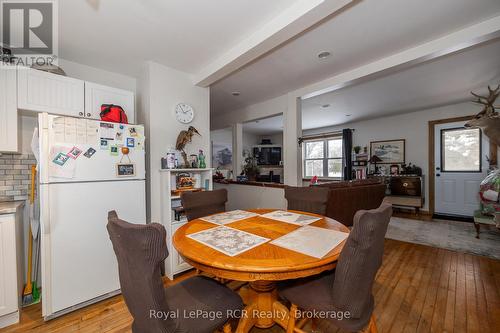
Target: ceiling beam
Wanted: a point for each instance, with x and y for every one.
(302, 15)
(449, 44)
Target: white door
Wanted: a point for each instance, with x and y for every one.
(8, 272)
(8, 110)
(78, 261)
(96, 95)
(460, 166)
(45, 92)
(103, 163)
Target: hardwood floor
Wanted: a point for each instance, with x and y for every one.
(418, 289)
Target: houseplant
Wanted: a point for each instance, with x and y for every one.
(250, 168)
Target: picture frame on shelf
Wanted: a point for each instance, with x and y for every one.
(389, 151)
(394, 169)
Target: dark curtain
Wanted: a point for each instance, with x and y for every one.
(347, 153)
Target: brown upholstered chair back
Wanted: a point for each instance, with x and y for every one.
(360, 260)
(307, 199)
(199, 204)
(140, 250)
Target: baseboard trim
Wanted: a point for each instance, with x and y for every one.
(10, 319)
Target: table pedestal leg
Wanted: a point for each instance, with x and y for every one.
(261, 306)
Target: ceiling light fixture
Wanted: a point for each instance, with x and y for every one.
(324, 106)
(324, 55)
(347, 115)
(235, 93)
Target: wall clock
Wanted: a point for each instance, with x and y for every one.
(184, 113)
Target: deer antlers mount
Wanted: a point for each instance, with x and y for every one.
(488, 119)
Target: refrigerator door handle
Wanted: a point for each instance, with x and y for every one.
(43, 123)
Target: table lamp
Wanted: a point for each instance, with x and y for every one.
(375, 159)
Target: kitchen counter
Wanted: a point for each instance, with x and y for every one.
(10, 207)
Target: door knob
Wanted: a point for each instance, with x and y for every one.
(438, 175)
(438, 168)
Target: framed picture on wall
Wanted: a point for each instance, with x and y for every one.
(389, 151)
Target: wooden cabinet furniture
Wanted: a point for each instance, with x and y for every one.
(405, 191)
(96, 95)
(175, 264)
(40, 91)
(12, 262)
(9, 124)
(262, 266)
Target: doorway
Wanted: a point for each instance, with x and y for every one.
(459, 165)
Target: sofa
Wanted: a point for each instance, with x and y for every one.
(347, 197)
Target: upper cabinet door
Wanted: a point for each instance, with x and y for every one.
(8, 110)
(96, 95)
(45, 92)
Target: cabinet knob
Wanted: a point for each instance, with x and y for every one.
(405, 184)
(80, 113)
(88, 114)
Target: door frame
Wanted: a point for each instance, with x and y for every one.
(432, 162)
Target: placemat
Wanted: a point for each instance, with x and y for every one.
(289, 217)
(312, 241)
(229, 217)
(228, 240)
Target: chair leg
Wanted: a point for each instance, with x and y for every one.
(372, 326)
(226, 328)
(292, 317)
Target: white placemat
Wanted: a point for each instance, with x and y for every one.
(229, 217)
(312, 241)
(289, 217)
(227, 240)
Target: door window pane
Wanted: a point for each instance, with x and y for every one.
(335, 148)
(314, 149)
(461, 150)
(335, 168)
(314, 168)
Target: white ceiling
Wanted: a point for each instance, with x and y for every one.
(365, 32)
(119, 35)
(266, 126)
(442, 81)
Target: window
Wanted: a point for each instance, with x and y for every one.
(323, 158)
(461, 150)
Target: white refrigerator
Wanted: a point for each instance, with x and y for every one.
(86, 169)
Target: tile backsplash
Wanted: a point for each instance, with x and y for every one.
(15, 176)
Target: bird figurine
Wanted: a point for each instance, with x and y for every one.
(183, 139)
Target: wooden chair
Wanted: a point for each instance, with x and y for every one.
(307, 199)
(141, 250)
(199, 204)
(348, 289)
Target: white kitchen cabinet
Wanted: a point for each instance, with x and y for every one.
(11, 263)
(9, 124)
(46, 92)
(96, 95)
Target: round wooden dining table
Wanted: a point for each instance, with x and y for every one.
(262, 266)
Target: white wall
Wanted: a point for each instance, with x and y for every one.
(160, 89)
(97, 75)
(265, 109)
(410, 126)
(253, 197)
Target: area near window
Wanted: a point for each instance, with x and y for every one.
(323, 157)
(461, 150)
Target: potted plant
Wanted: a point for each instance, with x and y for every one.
(356, 149)
(250, 168)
